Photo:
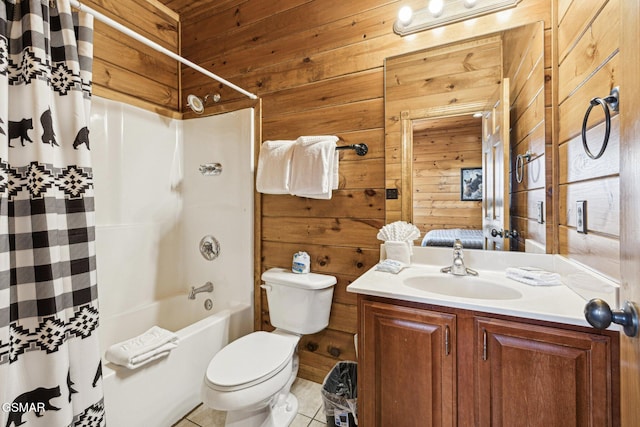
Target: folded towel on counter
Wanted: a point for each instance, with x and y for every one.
(135, 352)
(314, 167)
(533, 276)
(274, 167)
(390, 266)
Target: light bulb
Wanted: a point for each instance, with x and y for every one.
(436, 7)
(405, 14)
(469, 3)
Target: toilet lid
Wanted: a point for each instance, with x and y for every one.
(249, 360)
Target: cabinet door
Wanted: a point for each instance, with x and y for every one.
(539, 376)
(407, 358)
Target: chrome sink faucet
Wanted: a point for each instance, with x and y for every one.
(207, 287)
(458, 268)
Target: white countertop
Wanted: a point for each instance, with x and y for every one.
(561, 304)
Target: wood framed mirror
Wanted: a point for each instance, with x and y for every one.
(431, 136)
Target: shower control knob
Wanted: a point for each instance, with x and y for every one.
(209, 248)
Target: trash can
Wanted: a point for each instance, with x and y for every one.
(339, 395)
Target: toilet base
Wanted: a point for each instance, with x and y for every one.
(279, 414)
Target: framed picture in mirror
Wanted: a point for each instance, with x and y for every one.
(471, 184)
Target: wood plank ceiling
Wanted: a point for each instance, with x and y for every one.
(189, 8)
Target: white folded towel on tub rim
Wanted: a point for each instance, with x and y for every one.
(314, 167)
(138, 351)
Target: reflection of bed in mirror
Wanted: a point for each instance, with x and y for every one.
(471, 239)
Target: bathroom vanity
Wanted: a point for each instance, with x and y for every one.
(436, 350)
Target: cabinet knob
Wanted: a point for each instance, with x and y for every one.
(600, 316)
(496, 233)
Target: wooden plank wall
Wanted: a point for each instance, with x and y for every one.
(318, 67)
(588, 59)
(438, 156)
(125, 69)
(524, 65)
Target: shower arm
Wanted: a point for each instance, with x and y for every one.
(153, 45)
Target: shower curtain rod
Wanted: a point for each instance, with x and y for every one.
(110, 22)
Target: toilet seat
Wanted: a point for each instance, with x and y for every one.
(249, 360)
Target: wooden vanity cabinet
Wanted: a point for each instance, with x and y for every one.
(407, 366)
(424, 365)
(528, 375)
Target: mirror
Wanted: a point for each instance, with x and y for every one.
(441, 103)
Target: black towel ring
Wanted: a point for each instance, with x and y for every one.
(520, 158)
(610, 102)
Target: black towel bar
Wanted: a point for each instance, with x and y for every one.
(361, 149)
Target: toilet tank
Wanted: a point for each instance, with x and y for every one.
(298, 303)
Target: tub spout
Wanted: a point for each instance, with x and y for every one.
(207, 287)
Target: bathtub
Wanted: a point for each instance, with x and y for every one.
(160, 393)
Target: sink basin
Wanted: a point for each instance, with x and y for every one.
(462, 286)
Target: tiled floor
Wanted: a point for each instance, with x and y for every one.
(310, 412)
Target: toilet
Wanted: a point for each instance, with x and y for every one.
(251, 377)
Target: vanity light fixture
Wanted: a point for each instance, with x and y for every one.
(405, 15)
(436, 7)
(443, 12)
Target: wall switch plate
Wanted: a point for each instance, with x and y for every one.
(581, 216)
(540, 212)
(392, 193)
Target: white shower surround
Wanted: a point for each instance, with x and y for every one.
(152, 208)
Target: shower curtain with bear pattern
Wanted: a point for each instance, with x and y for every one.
(50, 371)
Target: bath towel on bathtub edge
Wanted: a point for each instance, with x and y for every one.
(147, 347)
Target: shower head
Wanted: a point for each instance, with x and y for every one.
(197, 104)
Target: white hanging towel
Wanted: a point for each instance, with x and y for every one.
(135, 352)
(336, 174)
(314, 167)
(274, 167)
(306, 140)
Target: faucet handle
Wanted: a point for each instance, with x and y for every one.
(457, 244)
